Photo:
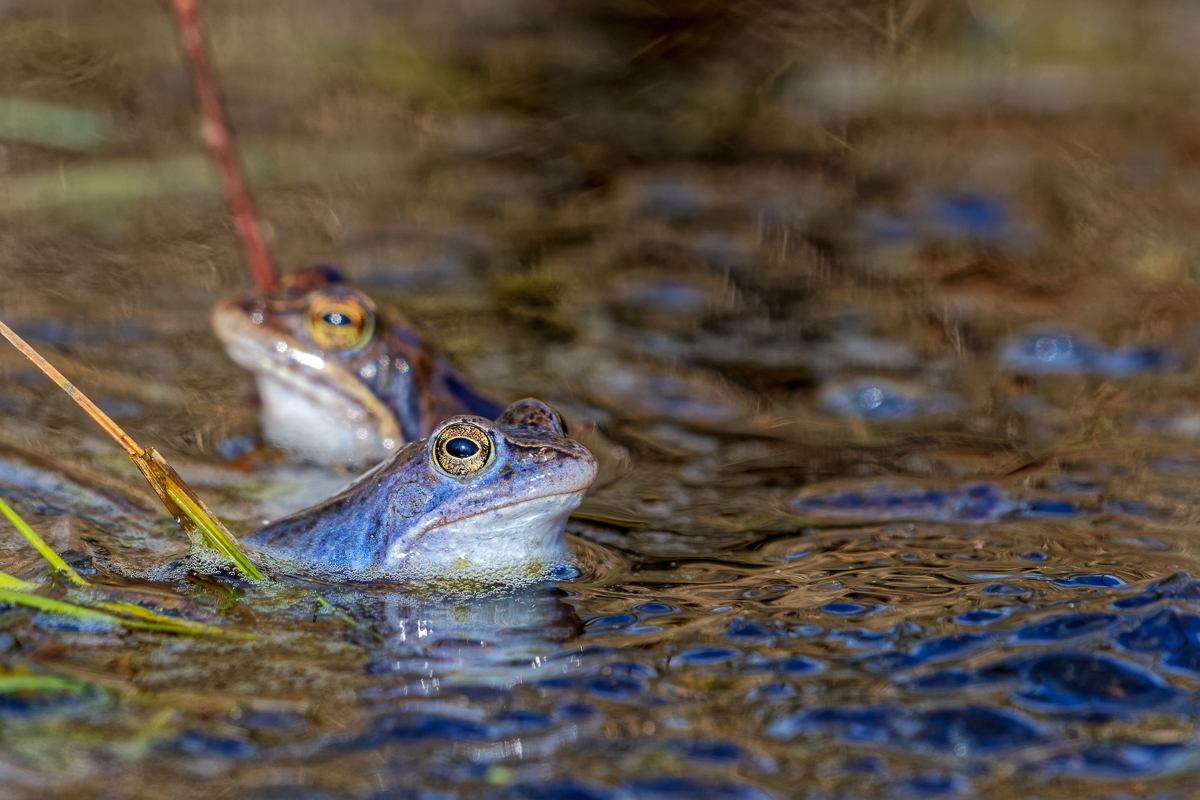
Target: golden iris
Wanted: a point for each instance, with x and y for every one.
(340, 321)
(462, 449)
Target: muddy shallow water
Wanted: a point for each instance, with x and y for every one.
(881, 317)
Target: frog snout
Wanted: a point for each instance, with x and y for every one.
(583, 464)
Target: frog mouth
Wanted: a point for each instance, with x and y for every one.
(517, 536)
(302, 375)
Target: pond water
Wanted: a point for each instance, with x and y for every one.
(880, 317)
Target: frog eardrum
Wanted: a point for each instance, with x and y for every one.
(343, 320)
(462, 449)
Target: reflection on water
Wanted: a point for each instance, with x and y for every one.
(880, 318)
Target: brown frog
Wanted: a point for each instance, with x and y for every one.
(339, 382)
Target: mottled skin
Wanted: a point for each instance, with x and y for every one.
(410, 519)
(340, 405)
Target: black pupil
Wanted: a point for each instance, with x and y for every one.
(334, 318)
(461, 448)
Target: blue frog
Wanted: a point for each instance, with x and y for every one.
(477, 501)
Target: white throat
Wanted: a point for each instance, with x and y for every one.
(334, 432)
(513, 544)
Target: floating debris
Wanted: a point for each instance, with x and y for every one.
(971, 503)
(883, 400)
(1065, 352)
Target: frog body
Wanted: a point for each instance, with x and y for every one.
(477, 501)
(338, 383)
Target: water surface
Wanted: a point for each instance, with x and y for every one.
(881, 321)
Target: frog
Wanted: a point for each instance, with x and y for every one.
(477, 501)
(340, 382)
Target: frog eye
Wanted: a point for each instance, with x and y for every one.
(462, 449)
(342, 321)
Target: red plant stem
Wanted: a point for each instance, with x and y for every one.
(214, 129)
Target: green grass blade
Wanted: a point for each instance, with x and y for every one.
(82, 612)
(68, 609)
(40, 544)
(16, 584)
(141, 612)
(144, 617)
(25, 683)
(202, 526)
(10, 583)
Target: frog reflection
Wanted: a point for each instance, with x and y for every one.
(478, 502)
(338, 384)
(492, 638)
